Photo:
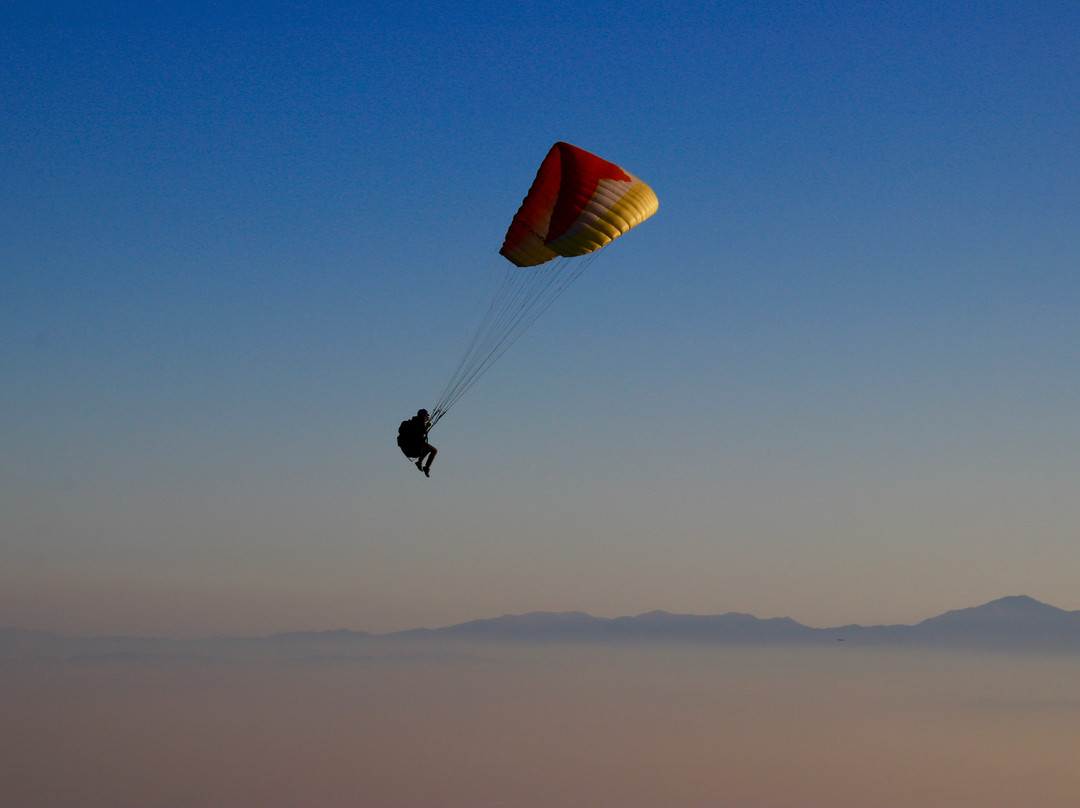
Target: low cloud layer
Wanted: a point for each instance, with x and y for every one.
(458, 724)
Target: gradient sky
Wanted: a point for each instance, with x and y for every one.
(834, 378)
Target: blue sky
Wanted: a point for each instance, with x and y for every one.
(833, 378)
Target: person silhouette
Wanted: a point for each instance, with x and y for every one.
(412, 440)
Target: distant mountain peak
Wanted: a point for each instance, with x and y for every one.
(1013, 610)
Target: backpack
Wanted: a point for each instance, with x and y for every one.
(408, 436)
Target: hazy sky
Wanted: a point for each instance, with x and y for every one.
(835, 377)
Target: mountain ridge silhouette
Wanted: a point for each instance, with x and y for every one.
(1016, 623)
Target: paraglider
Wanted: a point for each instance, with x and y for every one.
(412, 440)
(577, 204)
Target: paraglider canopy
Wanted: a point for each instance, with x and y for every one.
(577, 204)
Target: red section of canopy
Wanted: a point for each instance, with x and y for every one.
(566, 181)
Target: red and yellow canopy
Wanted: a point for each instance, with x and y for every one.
(578, 203)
